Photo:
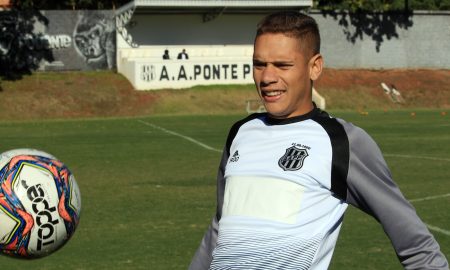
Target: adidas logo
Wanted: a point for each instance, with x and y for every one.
(235, 157)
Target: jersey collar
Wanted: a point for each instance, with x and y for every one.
(275, 121)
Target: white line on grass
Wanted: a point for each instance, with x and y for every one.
(432, 227)
(430, 198)
(207, 147)
(437, 229)
(418, 157)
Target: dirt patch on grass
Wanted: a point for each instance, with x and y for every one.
(107, 94)
(354, 89)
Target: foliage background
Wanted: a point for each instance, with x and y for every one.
(351, 5)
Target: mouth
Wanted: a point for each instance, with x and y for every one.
(272, 95)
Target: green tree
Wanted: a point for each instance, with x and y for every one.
(382, 5)
(19, 55)
(444, 5)
(360, 5)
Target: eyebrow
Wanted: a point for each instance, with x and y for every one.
(275, 63)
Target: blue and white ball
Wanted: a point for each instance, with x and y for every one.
(40, 203)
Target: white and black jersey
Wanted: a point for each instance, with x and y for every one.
(283, 188)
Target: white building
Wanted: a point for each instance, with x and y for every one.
(216, 34)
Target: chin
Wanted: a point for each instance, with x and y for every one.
(276, 114)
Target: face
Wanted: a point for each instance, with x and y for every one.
(283, 75)
(89, 42)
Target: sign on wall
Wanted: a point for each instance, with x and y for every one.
(183, 74)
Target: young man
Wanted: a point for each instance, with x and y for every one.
(287, 176)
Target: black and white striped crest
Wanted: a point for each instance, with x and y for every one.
(293, 159)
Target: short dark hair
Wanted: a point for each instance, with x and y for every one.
(292, 24)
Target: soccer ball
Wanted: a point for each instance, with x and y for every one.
(40, 203)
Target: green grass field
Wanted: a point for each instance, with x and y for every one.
(148, 196)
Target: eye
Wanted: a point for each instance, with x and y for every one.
(283, 66)
(258, 64)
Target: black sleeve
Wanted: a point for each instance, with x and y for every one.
(371, 189)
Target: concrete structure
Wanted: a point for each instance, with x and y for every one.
(219, 38)
(217, 35)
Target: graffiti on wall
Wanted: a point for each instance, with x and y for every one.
(95, 39)
(56, 40)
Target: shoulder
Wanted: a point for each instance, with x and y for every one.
(249, 118)
(355, 154)
(359, 140)
(339, 127)
(237, 125)
(361, 145)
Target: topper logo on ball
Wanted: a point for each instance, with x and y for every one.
(40, 201)
(45, 219)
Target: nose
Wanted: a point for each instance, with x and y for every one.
(269, 75)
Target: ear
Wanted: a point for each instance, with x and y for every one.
(315, 66)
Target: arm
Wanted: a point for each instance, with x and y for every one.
(203, 257)
(371, 189)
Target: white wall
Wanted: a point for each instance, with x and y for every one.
(155, 73)
(423, 44)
